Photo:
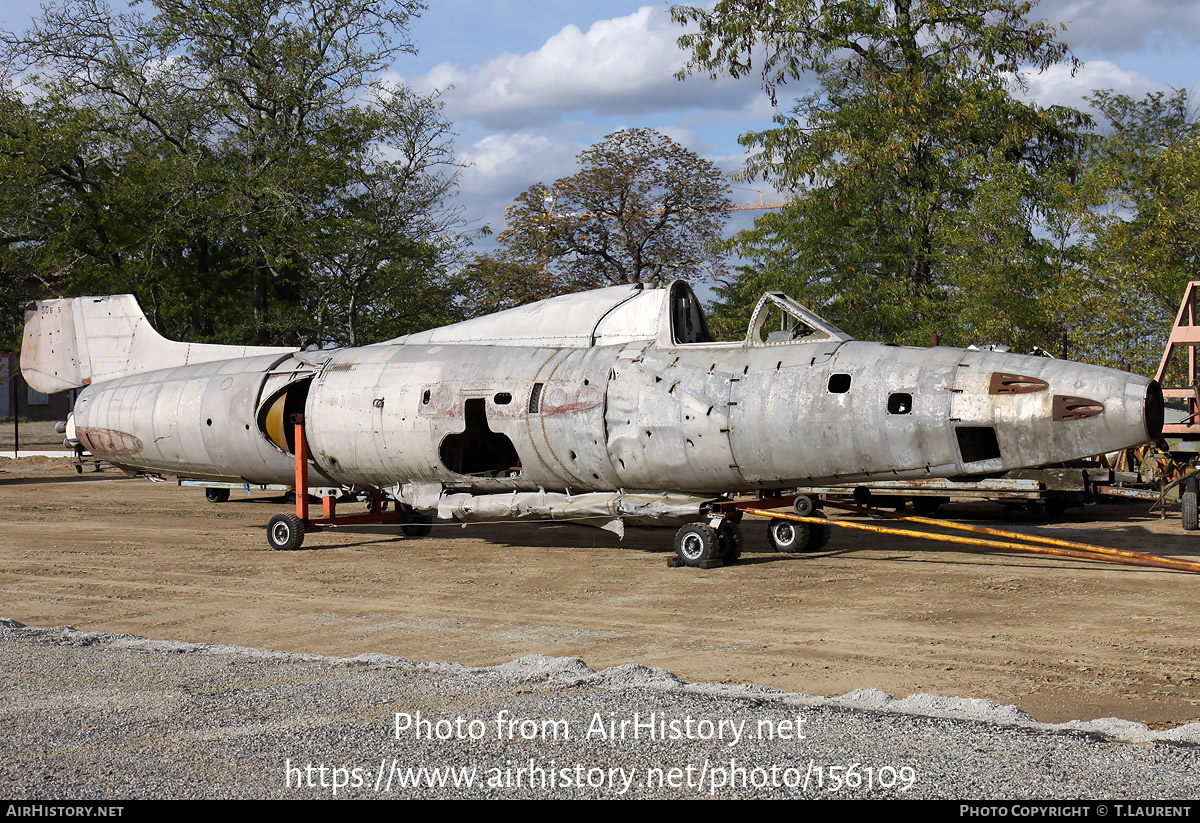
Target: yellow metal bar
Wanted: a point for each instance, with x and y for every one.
(1152, 561)
(1033, 538)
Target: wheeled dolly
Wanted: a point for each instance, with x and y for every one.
(285, 532)
(718, 541)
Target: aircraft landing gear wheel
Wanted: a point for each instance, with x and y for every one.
(820, 535)
(696, 543)
(729, 542)
(1190, 512)
(285, 532)
(216, 495)
(418, 525)
(789, 536)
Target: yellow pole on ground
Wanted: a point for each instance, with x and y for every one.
(1125, 558)
(1035, 538)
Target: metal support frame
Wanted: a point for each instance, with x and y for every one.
(1184, 334)
(1023, 488)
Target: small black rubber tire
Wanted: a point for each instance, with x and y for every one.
(1189, 511)
(216, 495)
(729, 542)
(789, 536)
(418, 525)
(695, 544)
(926, 506)
(803, 505)
(285, 532)
(820, 536)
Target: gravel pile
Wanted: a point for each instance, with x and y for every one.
(89, 715)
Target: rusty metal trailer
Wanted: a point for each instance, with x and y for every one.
(1024, 494)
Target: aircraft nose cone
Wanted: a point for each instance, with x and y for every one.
(1108, 408)
(1152, 415)
(1047, 411)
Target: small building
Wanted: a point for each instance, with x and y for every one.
(29, 403)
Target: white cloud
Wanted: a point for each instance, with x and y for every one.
(1121, 26)
(624, 65)
(504, 164)
(1057, 86)
(507, 163)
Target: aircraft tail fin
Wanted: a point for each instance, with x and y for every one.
(72, 342)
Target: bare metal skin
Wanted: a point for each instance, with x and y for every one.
(610, 390)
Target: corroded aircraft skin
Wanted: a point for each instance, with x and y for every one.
(575, 402)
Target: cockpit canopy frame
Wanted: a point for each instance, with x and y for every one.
(778, 319)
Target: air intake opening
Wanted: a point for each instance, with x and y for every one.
(976, 443)
(275, 416)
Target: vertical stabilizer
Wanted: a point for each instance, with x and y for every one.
(74, 342)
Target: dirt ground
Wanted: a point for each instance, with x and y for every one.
(1062, 639)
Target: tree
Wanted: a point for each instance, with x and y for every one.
(383, 270)
(232, 163)
(923, 195)
(1140, 205)
(641, 208)
(498, 281)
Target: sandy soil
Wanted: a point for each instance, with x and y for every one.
(1062, 639)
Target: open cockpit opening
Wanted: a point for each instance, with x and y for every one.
(687, 317)
(478, 450)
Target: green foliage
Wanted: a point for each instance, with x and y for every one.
(1140, 206)
(238, 166)
(641, 208)
(495, 282)
(924, 197)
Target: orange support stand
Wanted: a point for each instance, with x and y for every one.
(378, 512)
(301, 488)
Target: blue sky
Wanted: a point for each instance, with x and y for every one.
(534, 82)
